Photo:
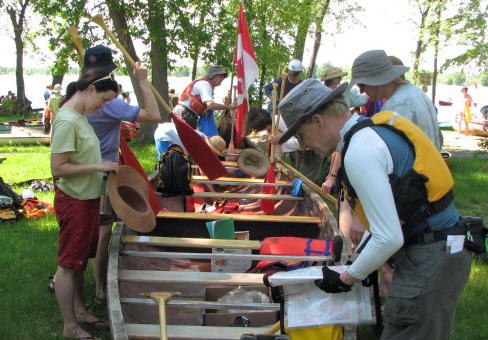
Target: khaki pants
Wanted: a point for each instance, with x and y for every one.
(426, 287)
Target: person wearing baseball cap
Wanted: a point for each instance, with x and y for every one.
(376, 163)
(375, 74)
(293, 70)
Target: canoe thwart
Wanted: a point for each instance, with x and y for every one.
(237, 217)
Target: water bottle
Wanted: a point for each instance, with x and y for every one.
(27, 193)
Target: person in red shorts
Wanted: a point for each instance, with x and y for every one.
(76, 162)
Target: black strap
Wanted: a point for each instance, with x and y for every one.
(427, 237)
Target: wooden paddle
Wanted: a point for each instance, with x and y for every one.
(311, 184)
(196, 146)
(161, 298)
(77, 44)
(98, 19)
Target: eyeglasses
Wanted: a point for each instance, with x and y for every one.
(107, 77)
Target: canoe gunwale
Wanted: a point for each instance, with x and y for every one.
(116, 318)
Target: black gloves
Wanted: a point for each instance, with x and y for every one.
(331, 283)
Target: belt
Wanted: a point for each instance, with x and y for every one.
(427, 237)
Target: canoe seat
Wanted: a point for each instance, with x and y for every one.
(247, 196)
(208, 278)
(237, 217)
(191, 304)
(191, 332)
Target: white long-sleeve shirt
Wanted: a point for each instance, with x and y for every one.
(368, 163)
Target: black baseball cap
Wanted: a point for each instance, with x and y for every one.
(98, 57)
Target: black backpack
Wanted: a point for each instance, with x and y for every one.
(175, 171)
(6, 190)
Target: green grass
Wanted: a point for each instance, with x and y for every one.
(14, 118)
(29, 248)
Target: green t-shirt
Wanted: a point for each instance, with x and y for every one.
(72, 133)
(53, 103)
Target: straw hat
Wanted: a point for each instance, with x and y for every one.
(128, 195)
(253, 162)
(217, 144)
(331, 73)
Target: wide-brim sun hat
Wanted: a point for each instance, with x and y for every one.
(253, 162)
(331, 73)
(375, 68)
(128, 193)
(216, 144)
(303, 101)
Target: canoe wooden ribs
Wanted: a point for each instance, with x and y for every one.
(177, 256)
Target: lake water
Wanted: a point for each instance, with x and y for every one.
(36, 84)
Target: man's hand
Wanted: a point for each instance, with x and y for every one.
(331, 283)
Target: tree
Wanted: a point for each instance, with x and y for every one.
(304, 18)
(468, 27)
(424, 7)
(337, 14)
(318, 37)
(67, 14)
(17, 13)
(118, 13)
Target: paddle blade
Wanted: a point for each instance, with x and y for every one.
(268, 205)
(199, 150)
(127, 157)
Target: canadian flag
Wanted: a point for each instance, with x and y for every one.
(247, 72)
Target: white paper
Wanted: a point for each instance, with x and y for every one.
(143, 239)
(307, 305)
(454, 244)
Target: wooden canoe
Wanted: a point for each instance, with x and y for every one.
(176, 256)
(22, 135)
(474, 128)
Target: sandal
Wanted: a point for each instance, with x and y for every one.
(51, 288)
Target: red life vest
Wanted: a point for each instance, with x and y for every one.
(196, 103)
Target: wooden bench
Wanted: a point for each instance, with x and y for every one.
(225, 256)
(191, 332)
(203, 278)
(237, 217)
(247, 196)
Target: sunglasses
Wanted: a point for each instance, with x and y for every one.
(107, 77)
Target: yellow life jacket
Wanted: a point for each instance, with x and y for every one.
(422, 191)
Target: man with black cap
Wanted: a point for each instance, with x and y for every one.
(106, 123)
(386, 160)
(197, 100)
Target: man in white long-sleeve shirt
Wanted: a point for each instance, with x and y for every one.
(377, 161)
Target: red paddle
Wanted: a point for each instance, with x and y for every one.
(199, 150)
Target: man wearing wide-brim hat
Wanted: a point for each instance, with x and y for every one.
(197, 101)
(374, 73)
(428, 279)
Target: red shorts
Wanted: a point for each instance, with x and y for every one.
(79, 222)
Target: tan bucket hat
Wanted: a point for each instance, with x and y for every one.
(129, 198)
(253, 162)
(331, 73)
(217, 144)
